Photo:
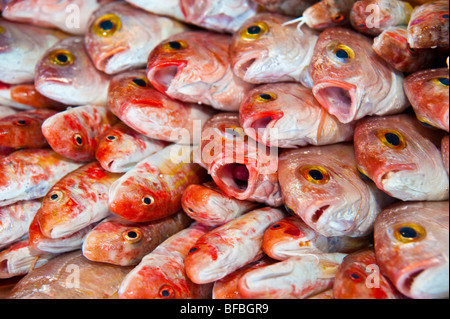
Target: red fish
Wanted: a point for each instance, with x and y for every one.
(76, 132)
(428, 93)
(25, 96)
(328, 13)
(351, 81)
(7, 111)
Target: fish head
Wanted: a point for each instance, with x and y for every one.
(322, 15)
(393, 42)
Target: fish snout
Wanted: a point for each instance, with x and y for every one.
(162, 74)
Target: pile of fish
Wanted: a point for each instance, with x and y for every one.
(224, 149)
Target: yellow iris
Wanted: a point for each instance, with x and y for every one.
(265, 97)
(442, 81)
(254, 31)
(107, 25)
(141, 82)
(392, 139)
(409, 232)
(175, 45)
(315, 174)
(61, 57)
(341, 53)
(132, 236)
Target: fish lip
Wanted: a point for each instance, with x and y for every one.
(243, 64)
(260, 122)
(380, 173)
(53, 80)
(154, 69)
(344, 93)
(102, 61)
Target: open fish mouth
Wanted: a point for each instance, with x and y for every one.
(162, 75)
(258, 127)
(106, 59)
(245, 64)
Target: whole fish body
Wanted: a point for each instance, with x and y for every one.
(402, 157)
(287, 115)
(328, 13)
(286, 7)
(231, 246)
(351, 81)
(153, 188)
(161, 274)
(121, 242)
(146, 110)
(76, 132)
(412, 246)
(29, 174)
(121, 36)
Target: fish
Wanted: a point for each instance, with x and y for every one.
(286, 7)
(25, 97)
(412, 246)
(118, 241)
(71, 276)
(70, 16)
(287, 115)
(77, 200)
(231, 246)
(170, 8)
(351, 81)
(218, 15)
(293, 278)
(17, 260)
(266, 49)
(15, 219)
(120, 36)
(7, 111)
(428, 92)
(66, 74)
(402, 157)
(371, 17)
(428, 26)
(153, 188)
(23, 129)
(121, 148)
(161, 275)
(193, 67)
(21, 48)
(239, 166)
(359, 277)
(139, 105)
(327, 294)
(392, 45)
(321, 185)
(291, 237)
(29, 174)
(208, 205)
(445, 152)
(328, 13)
(76, 132)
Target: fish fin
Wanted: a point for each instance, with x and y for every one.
(33, 264)
(301, 21)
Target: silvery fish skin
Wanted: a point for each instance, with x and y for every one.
(70, 16)
(15, 220)
(322, 186)
(25, 97)
(161, 274)
(291, 237)
(412, 248)
(392, 45)
(293, 278)
(121, 242)
(445, 152)
(120, 36)
(77, 200)
(265, 50)
(121, 148)
(359, 277)
(170, 8)
(351, 81)
(428, 27)
(55, 280)
(193, 67)
(66, 74)
(146, 110)
(288, 115)
(428, 92)
(371, 17)
(286, 7)
(328, 13)
(402, 157)
(21, 48)
(29, 174)
(229, 247)
(76, 132)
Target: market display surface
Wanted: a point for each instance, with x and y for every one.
(227, 149)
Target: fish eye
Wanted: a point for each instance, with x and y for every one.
(132, 235)
(338, 18)
(425, 123)
(444, 16)
(56, 196)
(166, 291)
(315, 174)
(148, 200)
(111, 137)
(341, 53)
(363, 174)
(190, 209)
(354, 276)
(21, 122)
(254, 31)
(362, 26)
(62, 57)
(266, 97)
(289, 210)
(2, 30)
(275, 226)
(411, 49)
(78, 140)
(107, 25)
(234, 132)
(442, 81)
(410, 232)
(193, 250)
(140, 82)
(175, 45)
(392, 139)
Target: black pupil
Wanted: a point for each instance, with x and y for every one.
(254, 29)
(106, 25)
(62, 58)
(362, 25)
(392, 139)
(354, 276)
(190, 209)
(342, 54)
(140, 82)
(315, 174)
(79, 140)
(54, 196)
(445, 16)
(407, 232)
(22, 122)
(276, 226)
(165, 293)
(193, 250)
(132, 234)
(147, 200)
(265, 96)
(444, 81)
(111, 138)
(175, 45)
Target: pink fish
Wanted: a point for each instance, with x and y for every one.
(287, 115)
(152, 113)
(445, 152)
(351, 81)
(412, 248)
(25, 97)
(161, 274)
(229, 247)
(76, 132)
(328, 13)
(170, 8)
(402, 157)
(193, 67)
(286, 7)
